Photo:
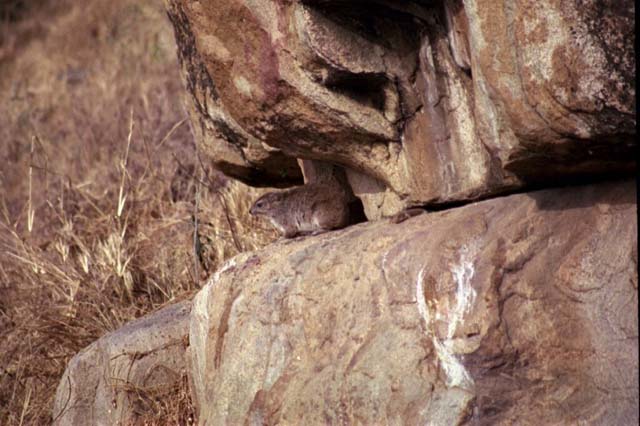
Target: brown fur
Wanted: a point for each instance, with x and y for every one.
(308, 209)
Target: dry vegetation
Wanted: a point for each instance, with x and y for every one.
(99, 179)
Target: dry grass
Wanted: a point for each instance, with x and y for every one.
(100, 193)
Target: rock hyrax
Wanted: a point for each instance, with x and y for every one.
(306, 209)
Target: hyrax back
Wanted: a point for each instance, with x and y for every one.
(307, 209)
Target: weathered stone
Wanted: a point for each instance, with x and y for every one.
(378, 201)
(102, 383)
(554, 83)
(516, 310)
(321, 172)
(427, 102)
(222, 139)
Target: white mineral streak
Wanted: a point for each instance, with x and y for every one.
(231, 263)
(462, 272)
(465, 294)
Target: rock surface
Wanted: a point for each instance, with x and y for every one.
(421, 102)
(516, 310)
(103, 384)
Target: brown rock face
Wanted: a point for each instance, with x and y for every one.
(223, 140)
(104, 383)
(562, 74)
(516, 310)
(421, 102)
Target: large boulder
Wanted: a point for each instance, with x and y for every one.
(515, 310)
(115, 380)
(421, 102)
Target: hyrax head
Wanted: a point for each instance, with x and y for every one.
(265, 205)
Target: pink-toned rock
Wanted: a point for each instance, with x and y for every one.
(516, 310)
(421, 102)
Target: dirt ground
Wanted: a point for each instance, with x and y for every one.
(97, 166)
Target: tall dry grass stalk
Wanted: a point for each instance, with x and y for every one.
(98, 195)
(85, 271)
(30, 211)
(122, 196)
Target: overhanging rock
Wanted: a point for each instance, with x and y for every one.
(423, 102)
